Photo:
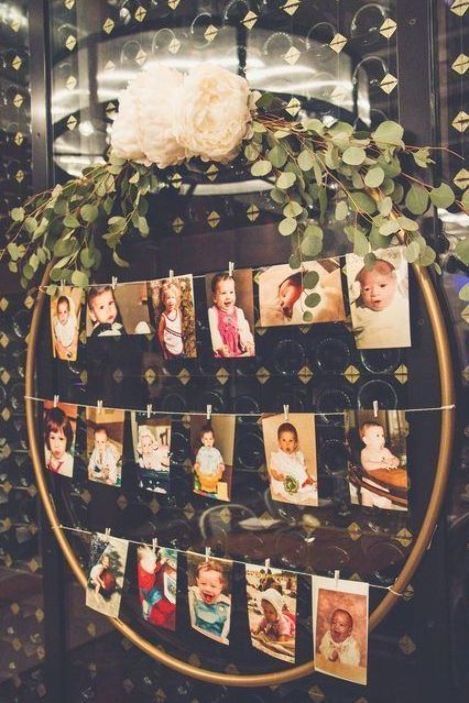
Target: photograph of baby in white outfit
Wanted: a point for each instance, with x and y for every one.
(65, 315)
(151, 439)
(379, 299)
(290, 450)
(283, 292)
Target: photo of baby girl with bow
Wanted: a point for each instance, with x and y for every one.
(283, 294)
(231, 313)
(172, 302)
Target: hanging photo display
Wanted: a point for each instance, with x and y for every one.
(132, 305)
(103, 318)
(209, 595)
(173, 311)
(379, 299)
(108, 557)
(60, 424)
(283, 292)
(151, 439)
(271, 598)
(65, 308)
(213, 450)
(290, 452)
(104, 442)
(157, 585)
(230, 300)
(378, 458)
(340, 628)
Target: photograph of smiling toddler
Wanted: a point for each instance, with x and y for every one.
(209, 595)
(103, 318)
(290, 452)
(59, 437)
(231, 313)
(271, 597)
(340, 628)
(283, 292)
(173, 316)
(379, 299)
(213, 452)
(65, 318)
(104, 443)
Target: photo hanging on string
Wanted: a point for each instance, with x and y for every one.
(60, 425)
(157, 585)
(213, 450)
(230, 299)
(65, 308)
(104, 443)
(173, 316)
(209, 596)
(108, 557)
(151, 438)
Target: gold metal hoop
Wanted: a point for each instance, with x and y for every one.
(418, 549)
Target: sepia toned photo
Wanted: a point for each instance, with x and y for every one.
(213, 450)
(230, 299)
(209, 596)
(340, 628)
(173, 316)
(271, 599)
(104, 442)
(378, 458)
(283, 292)
(65, 308)
(290, 453)
(151, 438)
(157, 585)
(379, 299)
(108, 557)
(103, 318)
(60, 425)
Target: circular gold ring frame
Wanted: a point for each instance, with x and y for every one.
(408, 570)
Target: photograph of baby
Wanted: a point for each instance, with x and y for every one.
(108, 557)
(340, 628)
(132, 304)
(60, 425)
(65, 309)
(231, 313)
(378, 458)
(290, 452)
(271, 598)
(379, 299)
(157, 585)
(151, 439)
(212, 442)
(104, 442)
(103, 318)
(173, 313)
(283, 291)
(209, 595)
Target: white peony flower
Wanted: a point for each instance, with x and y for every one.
(213, 113)
(144, 127)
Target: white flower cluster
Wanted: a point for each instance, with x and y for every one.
(166, 117)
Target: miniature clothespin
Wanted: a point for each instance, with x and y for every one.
(114, 282)
(171, 273)
(154, 544)
(336, 579)
(209, 412)
(56, 400)
(149, 410)
(375, 408)
(230, 268)
(267, 564)
(62, 283)
(99, 406)
(107, 531)
(208, 553)
(286, 409)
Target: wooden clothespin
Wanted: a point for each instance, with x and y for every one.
(149, 410)
(209, 412)
(208, 553)
(56, 400)
(114, 282)
(375, 408)
(286, 409)
(230, 268)
(336, 579)
(154, 544)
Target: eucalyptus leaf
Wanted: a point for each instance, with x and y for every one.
(306, 160)
(119, 261)
(89, 213)
(416, 200)
(292, 209)
(443, 196)
(362, 202)
(427, 257)
(285, 180)
(412, 252)
(385, 206)
(354, 156)
(79, 279)
(390, 227)
(310, 279)
(312, 300)
(388, 132)
(278, 156)
(407, 224)
(308, 316)
(462, 250)
(464, 293)
(17, 214)
(261, 168)
(278, 196)
(341, 210)
(374, 177)
(71, 221)
(287, 226)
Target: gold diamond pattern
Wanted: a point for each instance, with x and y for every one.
(461, 179)
(19, 175)
(291, 6)
(210, 33)
(140, 13)
(292, 55)
(4, 341)
(404, 537)
(212, 172)
(141, 57)
(354, 531)
(176, 180)
(3, 304)
(461, 121)
(293, 107)
(222, 375)
(16, 63)
(213, 219)
(352, 374)
(338, 42)
(18, 100)
(407, 645)
(150, 376)
(460, 64)
(173, 4)
(459, 7)
(71, 42)
(18, 139)
(252, 212)
(249, 19)
(184, 376)
(388, 83)
(388, 28)
(6, 414)
(401, 373)
(305, 374)
(178, 224)
(174, 46)
(316, 695)
(108, 25)
(5, 377)
(69, 4)
(262, 375)
(72, 122)
(16, 644)
(39, 615)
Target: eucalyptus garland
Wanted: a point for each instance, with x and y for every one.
(318, 174)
